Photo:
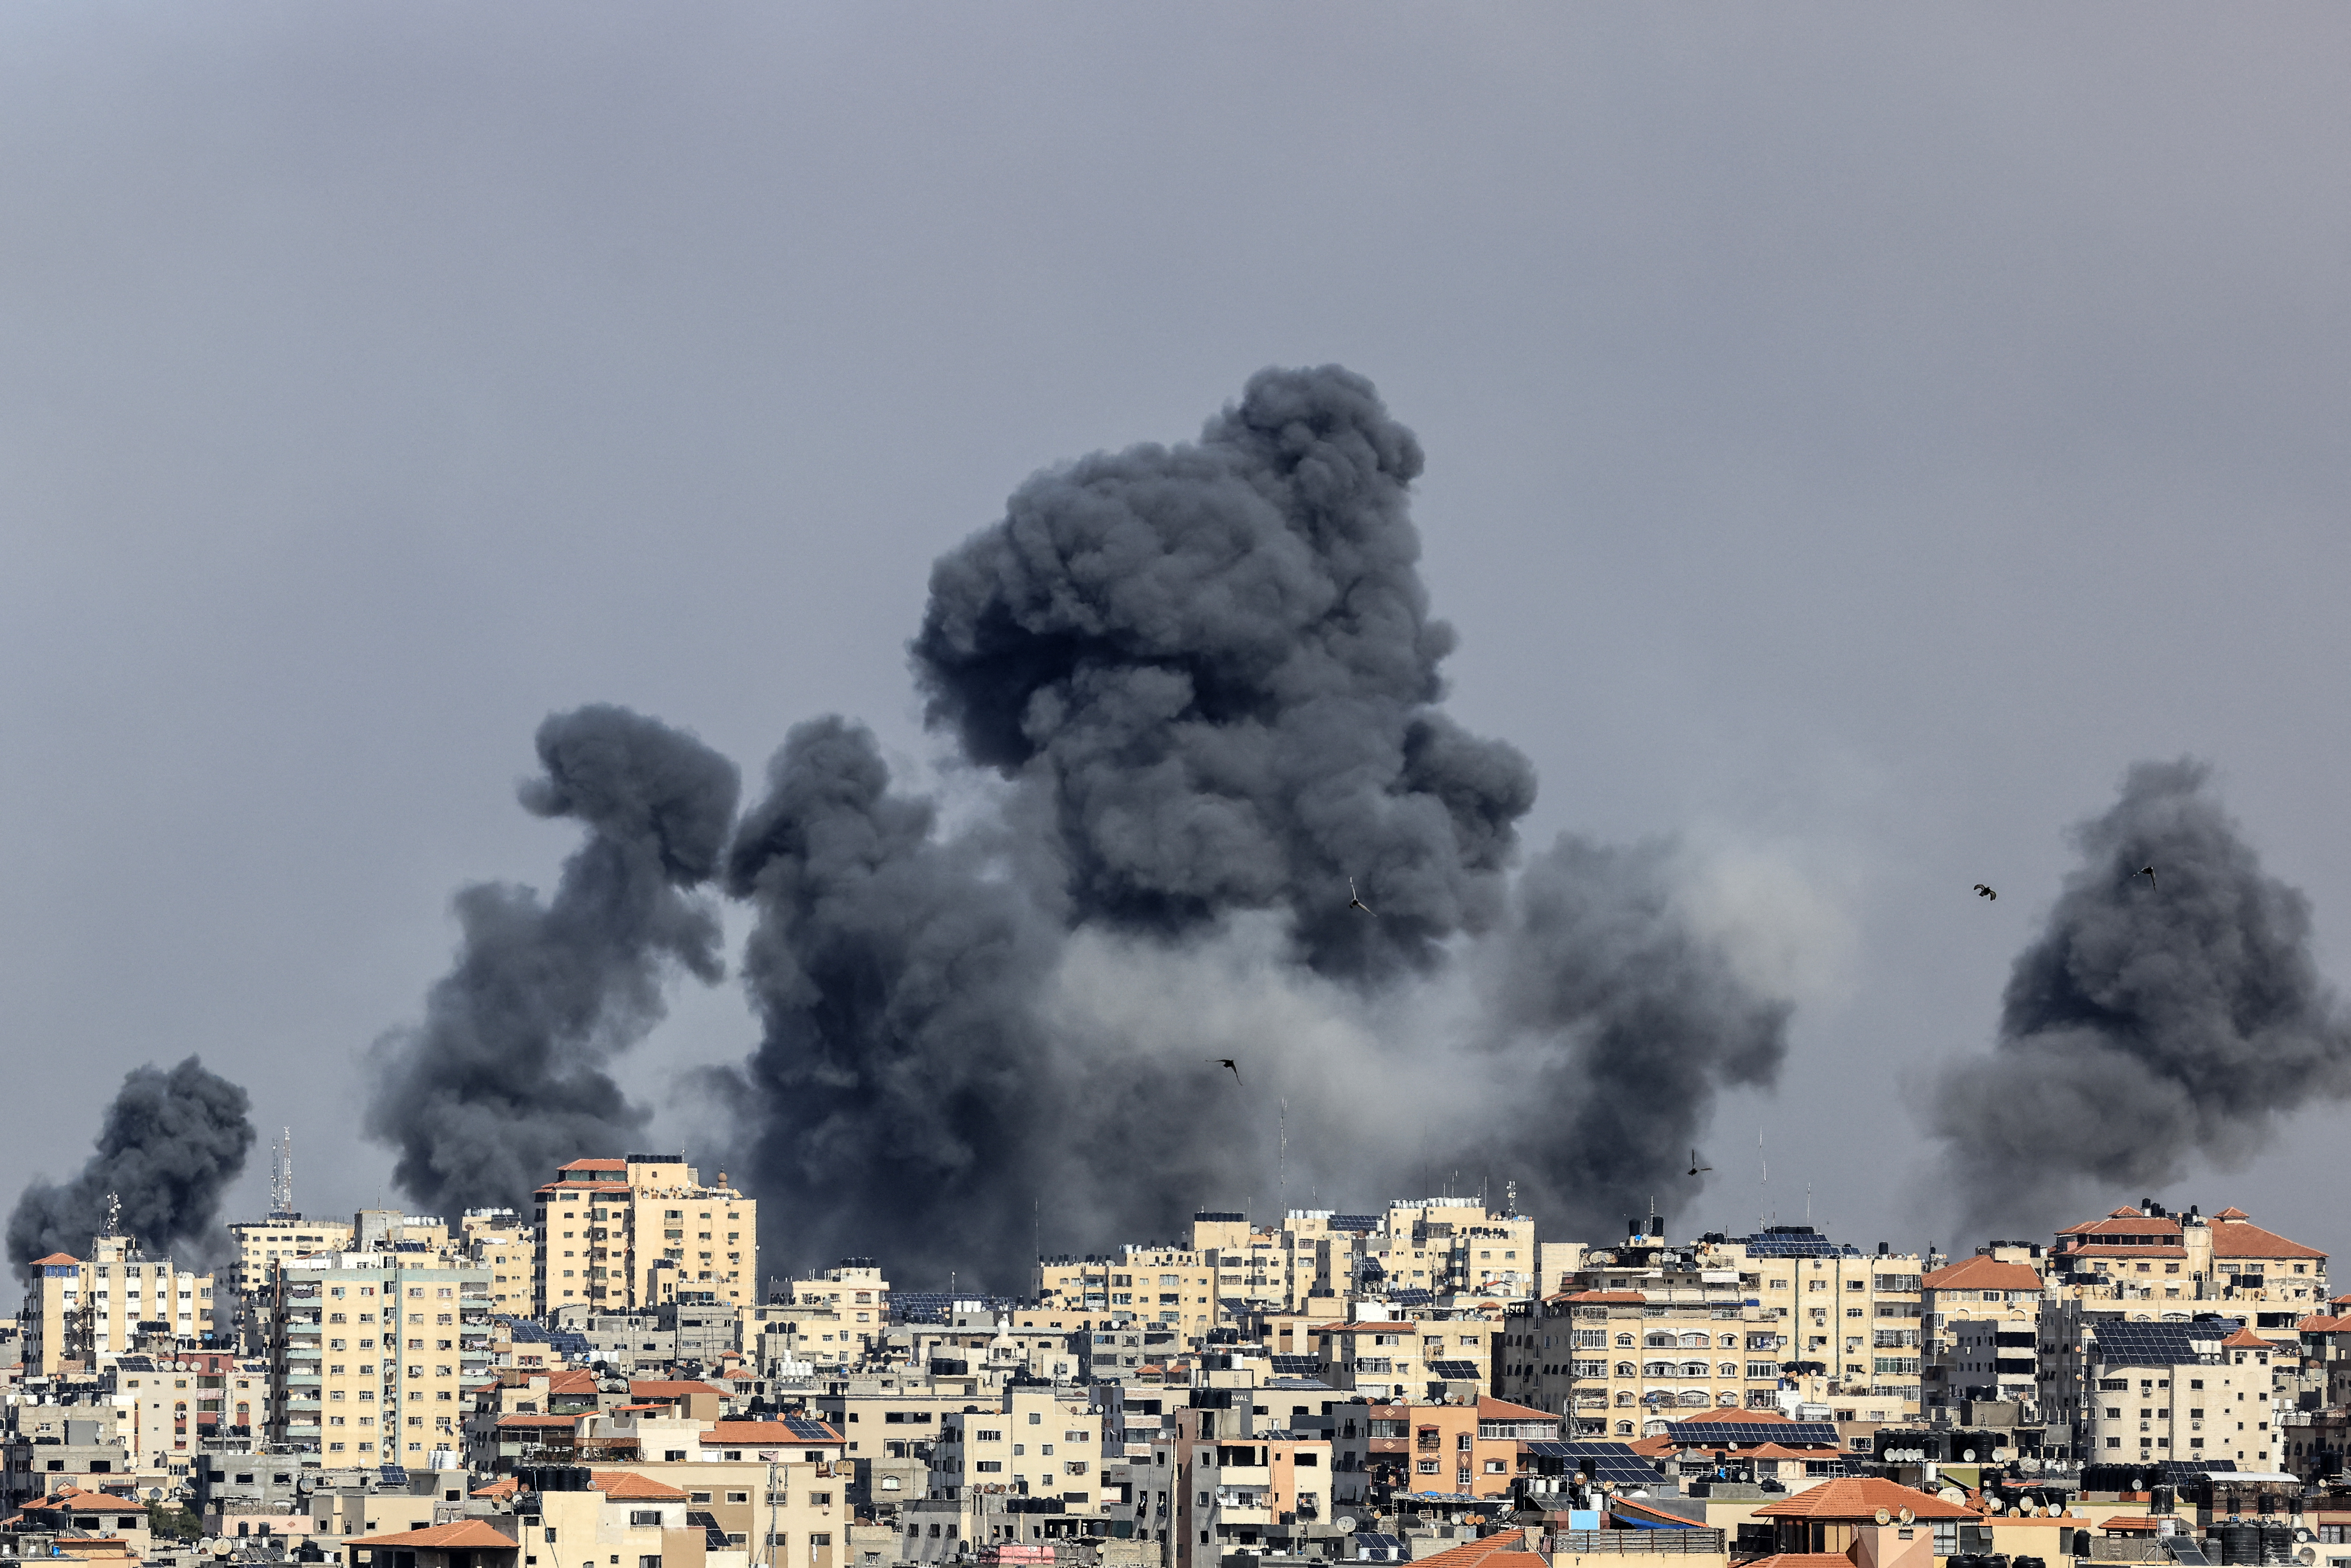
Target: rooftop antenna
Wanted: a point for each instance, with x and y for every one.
(114, 1214)
(1511, 1197)
(281, 1177)
(1281, 1162)
(1763, 1186)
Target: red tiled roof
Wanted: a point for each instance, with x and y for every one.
(1744, 1417)
(1492, 1409)
(2246, 1339)
(538, 1420)
(2240, 1237)
(1505, 1549)
(54, 1257)
(595, 1165)
(1860, 1497)
(2132, 1523)
(760, 1434)
(504, 1486)
(1802, 1560)
(571, 1380)
(2232, 1212)
(75, 1501)
(1982, 1273)
(2319, 1323)
(464, 1535)
(629, 1486)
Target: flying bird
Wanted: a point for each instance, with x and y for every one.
(1695, 1167)
(1353, 902)
(1984, 891)
(2147, 871)
(1228, 1061)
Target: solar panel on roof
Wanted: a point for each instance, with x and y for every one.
(2159, 1345)
(1373, 1538)
(1609, 1461)
(1455, 1371)
(1714, 1433)
(801, 1426)
(1353, 1222)
(1296, 1365)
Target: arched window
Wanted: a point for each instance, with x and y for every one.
(1657, 1369)
(1726, 1397)
(1624, 1428)
(1625, 1340)
(1730, 1342)
(1624, 1397)
(1693, 1369)
(1626, 1369)
(1727, 1369)
(1693, 1397)
(1659, 1340)
(1695, 1342)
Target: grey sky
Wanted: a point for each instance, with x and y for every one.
(1855, 435)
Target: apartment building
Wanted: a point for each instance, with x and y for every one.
(177, 1402)
(371, 1353)
(1170, 1288)
(260, 1244)
(1388, 1357)
(503, 1245)
(1449, 1246)
(1040, 1442)
(2136, 1393)
(2226, 1261)
(1420, 1445)
(1855, 1317)
(621, 1235)
(1982, 1323)
(1220, 1485)
(79, 1310)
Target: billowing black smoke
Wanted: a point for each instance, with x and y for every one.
(1208, 676)
(2157, 1021)
(505, 1077)
(1218, 661)
(170, 1144)
(1627, 1020)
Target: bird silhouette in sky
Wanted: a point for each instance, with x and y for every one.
(1354, 901)
(1228, 1062)
(1984, 891)
(1695, 1167)
(2147, 871)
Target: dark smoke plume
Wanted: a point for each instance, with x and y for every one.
(171, 1143)
(2152, 1022)
(1219, 661)
(1209, 676)
(505, 1077)
(1628, 1020)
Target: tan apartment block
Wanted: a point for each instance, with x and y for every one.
(78, 1310)
(620, 1235)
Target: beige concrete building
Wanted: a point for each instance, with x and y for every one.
(2152, 1255)
(2177, 1390)
(1167, 1287)
(1982, 1322)
(503, 1245)
(260, 1243)
(1038, 1443)
(620, 1235)
(81, 1309)
(371, 1353)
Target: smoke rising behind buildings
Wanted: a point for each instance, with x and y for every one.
(168, 1146)
(507, 1075)
(2153, 1021)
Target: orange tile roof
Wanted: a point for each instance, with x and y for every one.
(75, 1501)
(538, 1420)
(2232, 1212)
(1492, 1409)
(54, 1257)
(629, 1486)
(504, 1486)
(2246, 1339)
(595, 1165)
(2239, 1238)
(1860, 1497)
(571, 1380)
(1802, 1560)
(464, 1535)
(760, 1434)
(2319, 1323)
(1982, 1273)
(2131, 1522)
(1505, 1549)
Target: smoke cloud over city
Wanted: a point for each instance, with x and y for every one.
(507, 1076)
(2158, 1020)
(169, 1146)
(1207, 677)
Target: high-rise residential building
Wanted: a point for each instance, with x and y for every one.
(109, 1303)
(620, 1235)
(505, 1244)
(370, 1354)
(2149, 1254)
(1167, 1288)
(260, 1243)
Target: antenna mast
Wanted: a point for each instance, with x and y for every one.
(281, 1177)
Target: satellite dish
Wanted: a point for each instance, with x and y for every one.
(1970, 1457)
(1952, 1494)
(220, 1548)
(2301, 1532)
(1884, 1516)
(1992, 1505)
(1906, 1516)
(1348, 1526)
(2306, 1557)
